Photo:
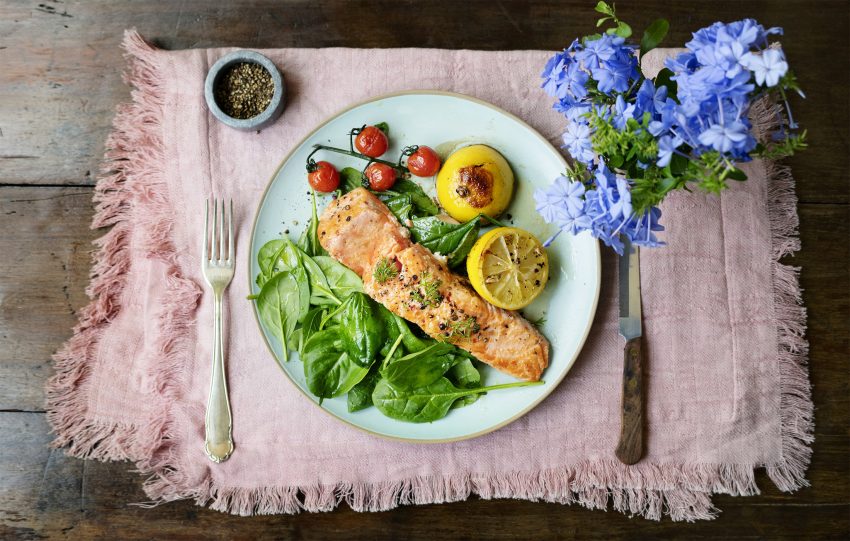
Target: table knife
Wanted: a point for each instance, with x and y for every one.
(630, 447)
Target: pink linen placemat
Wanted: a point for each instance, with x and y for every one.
(727, 385)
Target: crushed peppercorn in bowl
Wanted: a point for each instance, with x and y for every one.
(245, 90)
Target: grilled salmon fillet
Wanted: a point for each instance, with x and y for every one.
(360, 232)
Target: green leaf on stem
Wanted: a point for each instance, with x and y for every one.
(653, 35)
(603, 7)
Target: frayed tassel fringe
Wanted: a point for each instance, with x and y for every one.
(134, 177)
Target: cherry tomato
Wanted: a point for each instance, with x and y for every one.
(380, 176)
(324, 178)
(424, 162)
(371, 141)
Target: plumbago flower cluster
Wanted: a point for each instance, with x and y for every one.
(633, 140)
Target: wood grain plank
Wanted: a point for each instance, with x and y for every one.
(61, 82)
(45, 264)
(36, 481)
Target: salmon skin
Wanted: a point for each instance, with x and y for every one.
(360, 232)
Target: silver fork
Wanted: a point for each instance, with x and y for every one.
(218, 267)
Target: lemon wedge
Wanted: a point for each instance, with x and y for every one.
(508, 267)
(475, 180)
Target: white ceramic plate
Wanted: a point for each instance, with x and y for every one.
(446, 121)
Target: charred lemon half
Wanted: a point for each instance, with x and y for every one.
(475, 180)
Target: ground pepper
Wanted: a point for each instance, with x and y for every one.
(244, 90)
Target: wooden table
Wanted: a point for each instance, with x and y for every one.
(59, 83)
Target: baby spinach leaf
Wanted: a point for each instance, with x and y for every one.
(350, 178)
(427, 404)
(274, 256)
(309, 240)
(411, 341)
(327, 367)
(278, 255)
(465, 376)
(321, 293)
(310, 325)
(424, 205)
(390, 328)
(420, 368)
(401, 206)
(342, 280)
(362, 328)
(283, 301)
(360, 396)
(452, 240)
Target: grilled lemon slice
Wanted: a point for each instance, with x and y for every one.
(508, 267)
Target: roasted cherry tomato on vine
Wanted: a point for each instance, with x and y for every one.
(380, 176)
(324, 178)
(371, 141)
(424, 162)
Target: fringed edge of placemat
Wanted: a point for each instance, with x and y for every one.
(131, 189)
(679, 491)
(795, 402)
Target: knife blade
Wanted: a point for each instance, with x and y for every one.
(629, 282)
(630, 447)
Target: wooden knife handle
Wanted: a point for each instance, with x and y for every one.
(630, 447)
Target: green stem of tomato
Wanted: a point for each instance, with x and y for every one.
(361, 156)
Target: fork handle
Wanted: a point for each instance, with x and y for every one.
(219, 440)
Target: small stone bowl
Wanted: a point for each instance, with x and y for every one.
(275, 107)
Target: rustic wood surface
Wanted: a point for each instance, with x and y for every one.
(59, 83)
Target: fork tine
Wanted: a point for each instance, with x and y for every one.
(221, 239)
(206, 252)
(230, 234)
(213, 242)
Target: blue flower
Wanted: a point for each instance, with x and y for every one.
(666, 146)
(622, 112)
(614, 75)
(577, 141)
(682, 63)
(561, 198)
(574, 220)
(577, 80)
(572, 108)
(665, 109)
(598, 50)
(554, 73)
(645, 98)
(621, 209)
(768, 67)
(747, 32)
(641, 229)
(605, 210)
(725, 138)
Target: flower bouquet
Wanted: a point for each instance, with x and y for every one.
(633, 140)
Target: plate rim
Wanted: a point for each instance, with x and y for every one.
(327, 120)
